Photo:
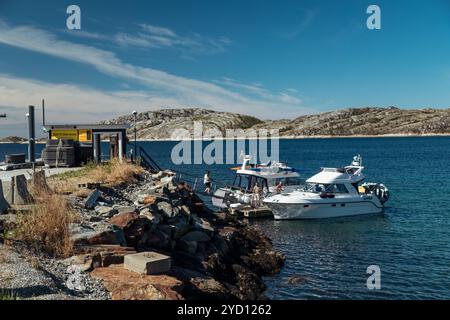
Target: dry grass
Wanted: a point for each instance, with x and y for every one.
(115, 173)
(110, 174)
(46, 227)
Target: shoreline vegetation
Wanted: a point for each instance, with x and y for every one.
(80, 235)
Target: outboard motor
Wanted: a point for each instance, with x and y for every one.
(377, 189)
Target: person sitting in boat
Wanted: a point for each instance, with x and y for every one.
(207, 182)
(279, 187)
(257, 195)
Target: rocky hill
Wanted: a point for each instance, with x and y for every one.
(161, 124)
(366, 121)
(370, 121)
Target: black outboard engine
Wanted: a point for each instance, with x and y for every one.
(377, 189)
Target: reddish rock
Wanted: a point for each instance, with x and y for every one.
(149, 200)
(133, 226)
(128, 285)
(124, 220)
(91, 257)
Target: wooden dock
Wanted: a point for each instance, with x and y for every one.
(251, 212)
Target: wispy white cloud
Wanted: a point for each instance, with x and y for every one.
(289, 96)
(164, 89)
(302, 22)
(155, 37)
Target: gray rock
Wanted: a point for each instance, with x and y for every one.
(101, 234)
(203, 225)
(166, 180)
(197, 236)
(154, 218)
(166, 229)
(124, 209)
(180, 226)
(106, 211)
(187, 246)
(166, 209)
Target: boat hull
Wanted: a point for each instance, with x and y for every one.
(288, 211)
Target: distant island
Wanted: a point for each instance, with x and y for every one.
(13, 139)
(350, 122)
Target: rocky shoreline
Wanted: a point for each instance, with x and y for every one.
(214, 256)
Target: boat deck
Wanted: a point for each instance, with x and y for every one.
(251, 212)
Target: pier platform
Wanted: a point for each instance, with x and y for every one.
(251, 212)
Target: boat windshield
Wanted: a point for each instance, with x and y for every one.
(285, 181)
(247, 182)
(323, 187)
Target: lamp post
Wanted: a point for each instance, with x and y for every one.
(135, 134)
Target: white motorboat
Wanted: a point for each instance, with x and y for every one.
(333, 192)
(267, 176)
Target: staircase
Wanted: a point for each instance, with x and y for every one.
(147, 161)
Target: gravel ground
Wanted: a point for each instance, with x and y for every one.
(33, 277)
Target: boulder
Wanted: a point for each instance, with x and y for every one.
(91, 257)
(198, 285)
(124, 220)
(180, 226)
(197, 236)
(105, 211)
(203, 225)
(149, 199)
(127, 285)
(124, 209)
(159, 240)
(82, 236)
(187, 246)
(133, 226)
(166, 209)
(154, 218)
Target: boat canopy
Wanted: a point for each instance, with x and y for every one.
(350, 174)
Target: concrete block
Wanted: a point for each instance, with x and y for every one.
(18, 193)
(91, 200)
(147, 262)
(4, 205)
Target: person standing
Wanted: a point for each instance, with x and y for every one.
(256, 195)
(207, 182)
(279, 187)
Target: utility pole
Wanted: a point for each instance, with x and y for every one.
(135, 135)
(31, 135)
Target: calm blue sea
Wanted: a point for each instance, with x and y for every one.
(410, 242)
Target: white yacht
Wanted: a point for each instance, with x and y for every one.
(266, 175)
(333, 192)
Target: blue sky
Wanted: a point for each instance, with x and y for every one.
(271, 59)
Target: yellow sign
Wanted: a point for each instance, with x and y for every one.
(65, 134)
(85, 135)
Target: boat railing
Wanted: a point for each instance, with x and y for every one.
(197, 184)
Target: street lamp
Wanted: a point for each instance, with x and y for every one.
(135, 133)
